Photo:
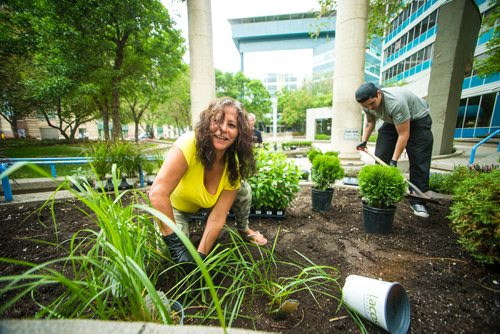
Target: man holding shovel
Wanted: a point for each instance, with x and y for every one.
(406, 125)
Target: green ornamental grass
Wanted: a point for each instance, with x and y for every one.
(112, 271)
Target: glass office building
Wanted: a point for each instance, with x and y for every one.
(407, 59)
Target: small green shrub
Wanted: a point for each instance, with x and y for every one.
(153, 164)
(334, 153)
(313, 153)
(296, 144)
(326, 169)
(276, 182)
(475, 215)
(381, 186)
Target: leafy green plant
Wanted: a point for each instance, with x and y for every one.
(297, 143)
(98, 152)
(334, 153)
(153, 163)
(475, 215)
(381, 186)
(127, 156)
(325, 170)
(304, 175)
(276, 182)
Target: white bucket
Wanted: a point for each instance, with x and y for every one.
(382, 303)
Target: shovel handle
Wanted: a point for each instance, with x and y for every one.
(380, 161)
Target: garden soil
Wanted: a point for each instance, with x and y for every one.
(448, 291)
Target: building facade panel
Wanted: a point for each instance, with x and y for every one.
(407, 59)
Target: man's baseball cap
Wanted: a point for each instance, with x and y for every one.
(366, 91)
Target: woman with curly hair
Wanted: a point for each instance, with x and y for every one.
(205, 170)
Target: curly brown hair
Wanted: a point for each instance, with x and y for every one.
(240, 156)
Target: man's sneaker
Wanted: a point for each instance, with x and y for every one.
(419, 210)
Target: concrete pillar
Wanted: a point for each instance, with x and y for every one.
(458, 27)
(274, 104)
(201, 56)
(349, 72)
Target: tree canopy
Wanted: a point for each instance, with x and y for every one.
(292, 105)
(490, 64)
(84, 55)
(251, 93)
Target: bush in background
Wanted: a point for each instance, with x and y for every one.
(446, 183)
(475, 214)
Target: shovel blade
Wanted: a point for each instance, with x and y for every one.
(422, 199)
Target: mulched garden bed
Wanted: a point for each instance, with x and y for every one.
(448, 291)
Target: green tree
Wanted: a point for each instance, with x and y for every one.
(250, 92)
(154, 72)
(81, 64)
(292, 105)
(175, 109)
(124, 34)
(53, 79)
(491, 63)
(17, 44)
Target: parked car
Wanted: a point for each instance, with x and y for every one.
(144, 136)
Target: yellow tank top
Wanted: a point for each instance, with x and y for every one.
(190, 195)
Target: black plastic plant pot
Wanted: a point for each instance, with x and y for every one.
(378, 220)
(322, 199)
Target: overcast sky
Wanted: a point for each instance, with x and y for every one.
(226, 57)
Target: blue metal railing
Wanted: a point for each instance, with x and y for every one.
(474, 148)
(5, 163)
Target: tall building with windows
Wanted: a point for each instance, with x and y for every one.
(275, 82)
(408, 49)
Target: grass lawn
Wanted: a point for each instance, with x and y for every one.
(32, 151)
(73, 150)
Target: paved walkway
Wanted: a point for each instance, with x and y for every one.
(486, 154)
